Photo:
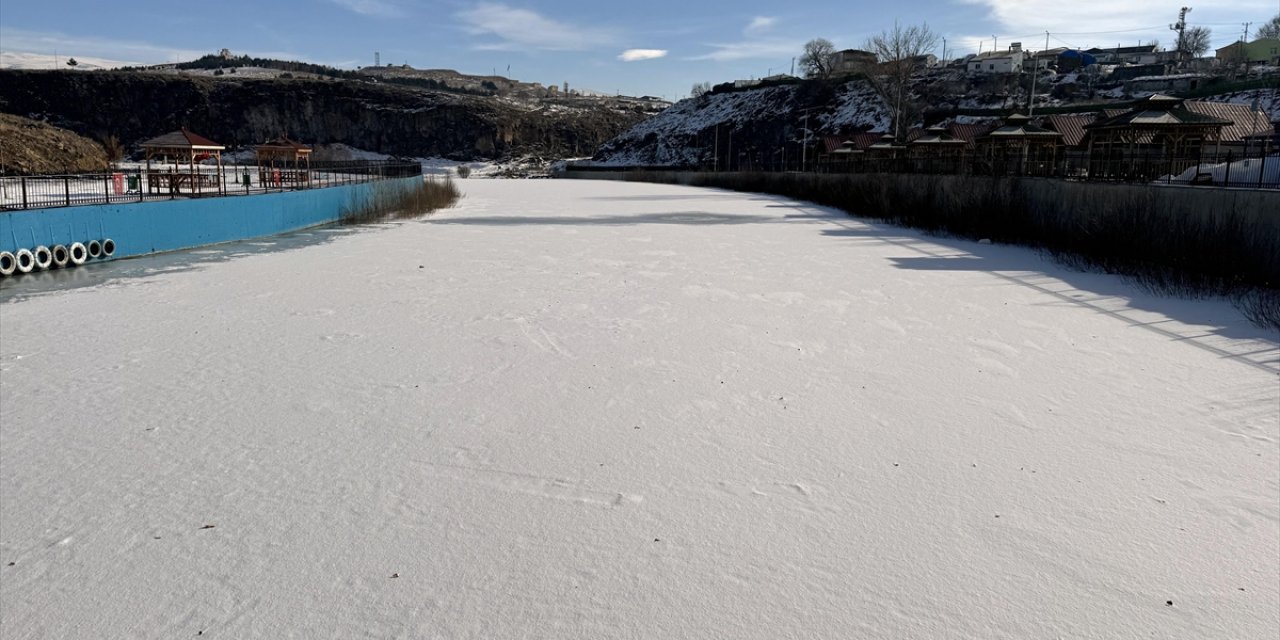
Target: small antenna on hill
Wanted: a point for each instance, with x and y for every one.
(377, 58)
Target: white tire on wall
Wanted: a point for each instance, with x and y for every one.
(108, 248)
(95, 249)
(77, 253)
(25, 259)
(60, 256)
(44, 257)
(8, 263)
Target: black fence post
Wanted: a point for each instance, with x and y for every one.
(66, 189)
(24, 193)
(1262, 170)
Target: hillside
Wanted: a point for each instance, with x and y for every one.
(30, 146)
(751, 121)
(377, 117)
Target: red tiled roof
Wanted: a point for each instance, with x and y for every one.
(859, 140)
(180, 139)
(970, 132)
(1244, 120)
(1071, 126)
(284, 142)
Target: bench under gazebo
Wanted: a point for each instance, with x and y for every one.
(182, 151)
(282, 161)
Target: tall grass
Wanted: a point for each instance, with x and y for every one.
(392, 200)
(1186, 242)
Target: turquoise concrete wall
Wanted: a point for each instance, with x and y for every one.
(140, 228)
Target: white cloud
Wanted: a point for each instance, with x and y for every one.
(520, 29)
(632, 55)
(760, 24)
(66, 45)
(1109, 23)
(752, 49)
(377, 8)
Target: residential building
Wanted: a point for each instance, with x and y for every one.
(1260, 51)
(1144, 54)
(1008, 61)
(1041, 60)
(851, 61)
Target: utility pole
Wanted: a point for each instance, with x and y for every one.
(715, 162)
(793, 66)
(1035, 75)
(944, 52)
(804, 149)
(1181, 27)
(995, 44)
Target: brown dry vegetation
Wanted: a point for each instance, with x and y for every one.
(390, 201)
(32, 147)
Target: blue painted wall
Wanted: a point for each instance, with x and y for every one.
(140, 228)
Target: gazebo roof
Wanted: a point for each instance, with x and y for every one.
(284, 143)
(886, 142)
(1019, 127)
(1159, 112)
(182, 139)
(938, 136)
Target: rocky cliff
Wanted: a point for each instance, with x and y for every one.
(372, 116)
(745, 127)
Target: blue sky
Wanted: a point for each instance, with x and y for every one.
(651, 47)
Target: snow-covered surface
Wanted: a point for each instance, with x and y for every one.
(1247, 172)
(616, 410)
(28, 60)
(1268, 100)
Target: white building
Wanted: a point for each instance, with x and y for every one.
(1009, 61)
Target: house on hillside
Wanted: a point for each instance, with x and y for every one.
(926, 61)
(1180, 83)
(851, 61)
(1260, 51)
(1144, 54)
(1008, 61)
(1041, 60)
(1126, 73)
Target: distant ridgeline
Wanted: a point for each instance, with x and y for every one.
(216, 62)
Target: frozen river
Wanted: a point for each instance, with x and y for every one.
(610, 410)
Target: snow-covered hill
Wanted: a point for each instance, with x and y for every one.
(686, 133)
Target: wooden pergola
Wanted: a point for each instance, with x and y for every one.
(183, 147)
(1032, 148)
(936, 146)
(1159, 123)
(282, 160)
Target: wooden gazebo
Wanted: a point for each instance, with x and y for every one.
(1159, 135)
(283, 161)
(937, 150)
(1019, 147)
(180, 148)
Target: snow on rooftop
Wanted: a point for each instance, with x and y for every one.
(619, 410)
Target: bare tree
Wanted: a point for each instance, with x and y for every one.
(1194, 42)
(700, 89)
(816, 59)
(899, 51)
(1271, 29)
